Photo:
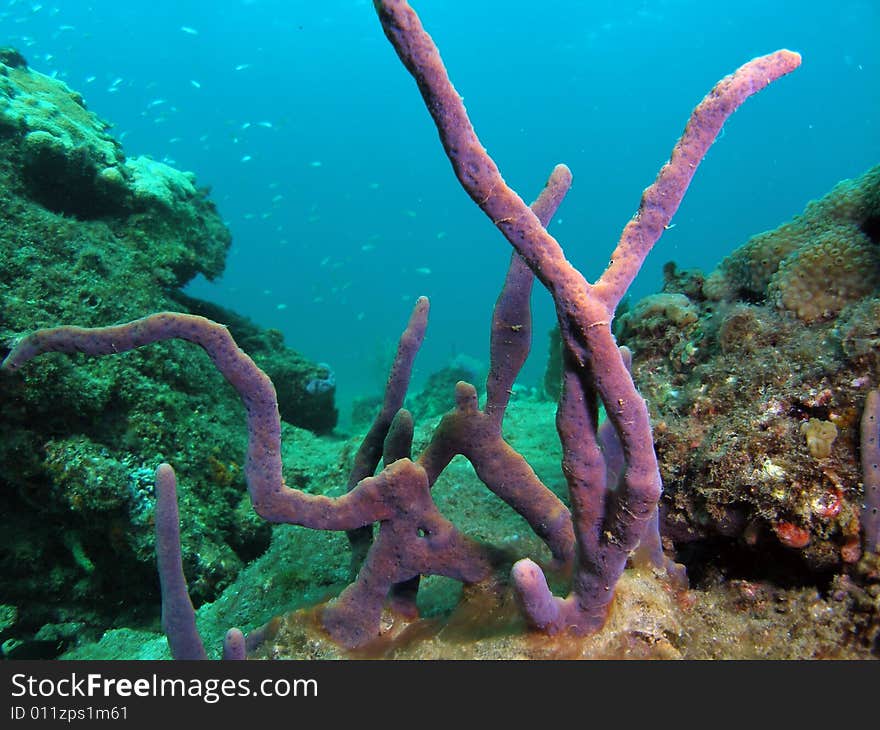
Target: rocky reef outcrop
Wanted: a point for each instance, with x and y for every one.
(756, 377)
(91, 237)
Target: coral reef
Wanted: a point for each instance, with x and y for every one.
(92, 236)
(757, 399)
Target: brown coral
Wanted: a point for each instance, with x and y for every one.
(815, 264)
(818, 280)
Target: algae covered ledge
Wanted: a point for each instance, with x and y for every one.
(92, 236)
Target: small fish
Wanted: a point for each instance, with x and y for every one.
(187, 29)
(423, 270)
(156, 102)
(315, 163)
(195, 83)
(246, 158)
(242, 66)
(267, 125)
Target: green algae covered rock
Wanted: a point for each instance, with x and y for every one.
(91, 237)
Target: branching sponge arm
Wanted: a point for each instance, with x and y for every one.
(662, 198)
(271, 498)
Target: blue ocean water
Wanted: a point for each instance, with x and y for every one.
(326, 166)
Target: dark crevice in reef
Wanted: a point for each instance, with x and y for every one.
(709, 560)
(69, 192)
(871, 228)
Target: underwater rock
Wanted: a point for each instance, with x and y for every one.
(756, 386)
(88, 235)
(71, 164)
(12, 58)
(433, 399)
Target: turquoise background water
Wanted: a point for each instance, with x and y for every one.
(325, 164)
